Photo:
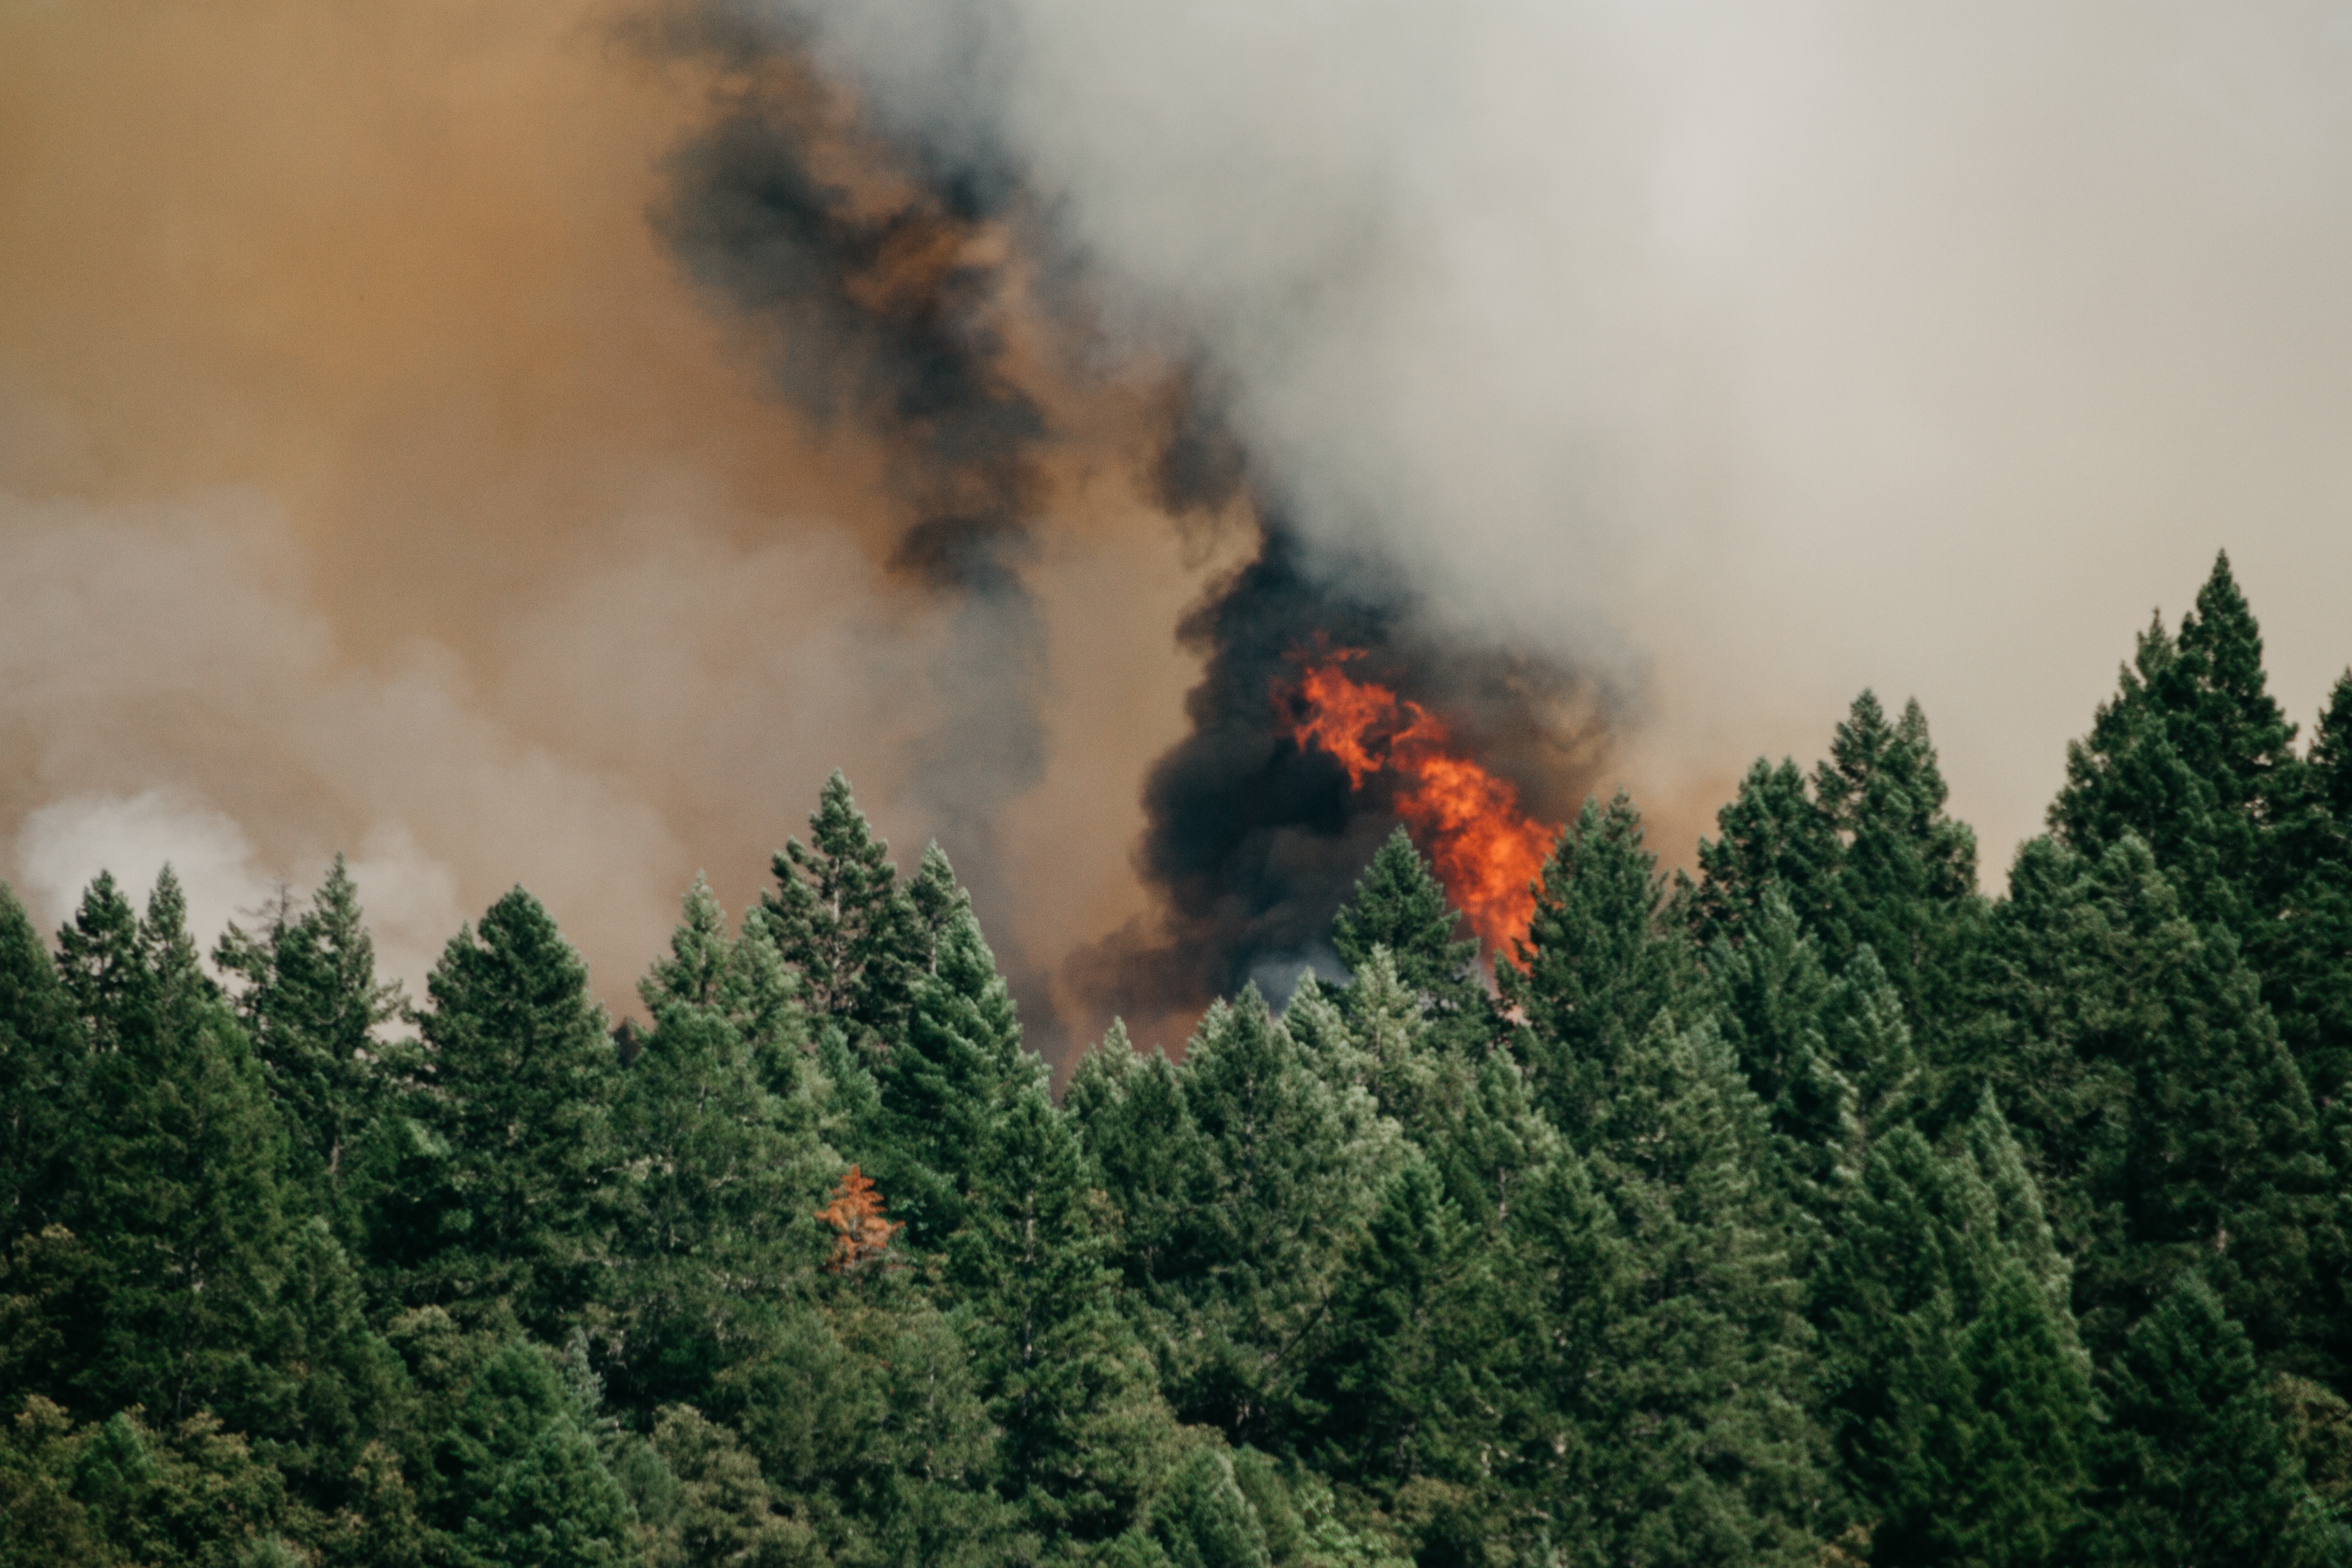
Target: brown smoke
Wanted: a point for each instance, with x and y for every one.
(372, 475)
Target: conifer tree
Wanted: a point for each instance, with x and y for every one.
(311, 1003)
(1205, 1519)
(522, 1480)
(511, 1096)
(2194, 758)
(1400, 1385)
(1279, 1190)
(1600, 961)
(2193, 1466)
(1773, 835)
(2305, 955)
(1962, 1397)
(713, 1210)
(1071, 1393)
(939, 900)
(1907, 881)
(842, 924)
(2165, 1121)
(1143, 1148)
(1698, 1408)
(43, 1057)
(1770, 996)
(1382, 1046)
(1399, 904)
(959, 1065)
(174, 1183)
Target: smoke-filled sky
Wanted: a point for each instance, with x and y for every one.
(408, 445)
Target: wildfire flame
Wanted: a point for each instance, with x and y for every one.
(1488, 852)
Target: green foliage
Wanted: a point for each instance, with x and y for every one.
(518, 1476)
(43, 1056)
(1697, 1410)
(1399, 905)
(720, 1177)
(2192, 757)
(958, 1068)
(1818, 1213)
(1774, 837)
(311, 1005)
(1601, 961)
(1961, 1394)
(2162, 1113)
(1277, 1186)
(2194, 1467)
(1072, 1395)
(840, 920)
(496, 1189)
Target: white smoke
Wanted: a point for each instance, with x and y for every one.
(1774, 349)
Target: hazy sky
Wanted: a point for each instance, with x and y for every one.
(370, 477)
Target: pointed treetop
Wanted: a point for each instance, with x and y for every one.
(840, 920)
(699, 951)
(938, 899)
(1773, 834)
(1399, 905)
(2331, 752)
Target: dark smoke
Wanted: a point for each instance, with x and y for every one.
(1253, 842)
(855, 254)
(856, 262)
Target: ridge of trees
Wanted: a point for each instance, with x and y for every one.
(1816, 1210)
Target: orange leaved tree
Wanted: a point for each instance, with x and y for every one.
(861, 1232)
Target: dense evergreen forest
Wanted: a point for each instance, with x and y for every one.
(1819, 1210)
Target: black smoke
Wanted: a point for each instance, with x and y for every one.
(853, 263)
(1253, 842)
(852, 255)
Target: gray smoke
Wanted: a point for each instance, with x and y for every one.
(1754, 353)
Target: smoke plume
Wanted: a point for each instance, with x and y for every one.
(537, 441)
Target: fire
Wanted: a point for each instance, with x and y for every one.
(1486, 850)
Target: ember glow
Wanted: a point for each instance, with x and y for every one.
(1486, 851)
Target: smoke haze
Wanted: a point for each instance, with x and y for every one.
(420, 437)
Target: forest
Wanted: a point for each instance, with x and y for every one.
(1816, 1208)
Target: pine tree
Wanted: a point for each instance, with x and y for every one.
(312, 1005)
(1401, 1385)
(1774, 835)
(1399, 905)
(1906, 881)
(522, 1480)
(1071, 1393)
(1600, 961)
(2305, 955)
(1279, 1190)
(1770, 996)
(713, 1210)
(2193, 1466)
(1962, 1396)
(1203, 1520)
(1143, 1150)
(175, 1189)
(512, 1100)
(842, 922)
(1696, 1411)
(2163, 1117)
(2193, 758)
(939, 901)
(959, 1064)
(43, 1057)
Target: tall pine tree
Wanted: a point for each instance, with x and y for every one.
(492, 1185)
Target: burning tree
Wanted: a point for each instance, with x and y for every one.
(861, 1231)
(1487, 850)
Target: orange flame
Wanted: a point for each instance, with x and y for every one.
(1488, 852)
